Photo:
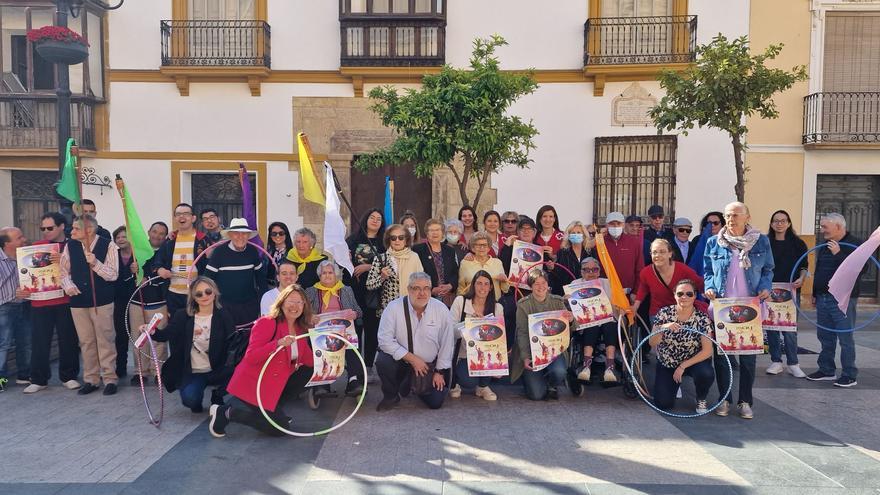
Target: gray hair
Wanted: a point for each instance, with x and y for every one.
(479, 236)
(87, 219)
(834, 218)
(416, 276)
(453, 222)
(331, 264)
(589, 259)
(737, 204)
(509, 213)
(306, 232)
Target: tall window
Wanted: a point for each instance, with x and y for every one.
(634, 37)
(632, 173)
(221, 192)
(31, 199)
(215, 10)
(851, 60)
(392, 32)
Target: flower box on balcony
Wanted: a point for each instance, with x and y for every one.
(59, 45)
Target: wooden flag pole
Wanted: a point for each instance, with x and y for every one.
(120, 186)
(74, 151)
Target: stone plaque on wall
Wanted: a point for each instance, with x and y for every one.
(631, 107)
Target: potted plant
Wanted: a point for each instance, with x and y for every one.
(59, 45)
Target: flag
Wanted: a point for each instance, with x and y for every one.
(247, 200)
(311, 188)
(137, 235)
(389, 201)
(68, 186)
(696, 262)
(618, 296)
(334, 227)
(844, 279)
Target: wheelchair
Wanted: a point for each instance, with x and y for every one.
(597, 369)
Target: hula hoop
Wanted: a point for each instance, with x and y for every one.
(517, 280)
(677, 415)
(804, 314)
(154, 357)
(153, 421)
(218, 244)
(636, 351)
(327, 430)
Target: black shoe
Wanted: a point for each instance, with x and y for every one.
(354, 387)
(198, 409)
(405, 386)
(552, 393)
(110, 389)
(217, 425)
(845, 382)
(387, 404)
(87, 388)
(136, 380)
(216, 398)
(818, 376)
(121, 374)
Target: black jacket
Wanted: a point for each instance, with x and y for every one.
(450, 263)
(676, 251)
(572, 263)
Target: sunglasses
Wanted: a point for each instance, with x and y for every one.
(714, 222)
(276, 234)
(47, 229)
(207, 292)
(655, 217)
(509, 221)
(684, 294)
(397, 237)
(685, 230)
(590, 270)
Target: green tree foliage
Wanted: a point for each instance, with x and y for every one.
(724, 86)
(457, 113)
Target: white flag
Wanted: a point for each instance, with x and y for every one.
(334, 227)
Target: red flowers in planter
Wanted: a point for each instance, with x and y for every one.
(55, 33)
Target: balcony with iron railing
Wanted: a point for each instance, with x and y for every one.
(393, 41)
(842, 118)
(640, 40)
(29, 121)
(216, 44)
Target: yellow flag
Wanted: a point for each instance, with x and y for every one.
(618, 296)
(311, 187)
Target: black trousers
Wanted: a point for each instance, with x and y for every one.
(122, 332)
(174, 302)
(243, 313)
(45, 320)
(395, 377)
(665, 386)
(250, 415)
(370, 336)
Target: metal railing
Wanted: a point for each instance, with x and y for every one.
(216, 44)
(640, 40)
(399, 42)
(29, 121)
(842, 117)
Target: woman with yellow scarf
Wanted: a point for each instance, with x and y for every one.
(305, 257)
(329, 295)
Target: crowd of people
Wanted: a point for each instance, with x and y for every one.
(412, 285)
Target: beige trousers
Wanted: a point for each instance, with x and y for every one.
(135, 320)
(97, 342)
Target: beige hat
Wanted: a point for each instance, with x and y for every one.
(238, 225)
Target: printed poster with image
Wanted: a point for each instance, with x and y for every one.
(336, 318)
(549, 337)
(328, 352)
(738, 325)
(589, 303)
(36, 272)
(781, 311)
(525, 257)
(486, 346)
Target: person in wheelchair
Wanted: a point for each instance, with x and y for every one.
(681, 353)
(589, 337)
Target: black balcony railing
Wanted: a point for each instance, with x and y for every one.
(640, 40)
(29, 121)
(215, 44)
(393, 41)
(852, 117)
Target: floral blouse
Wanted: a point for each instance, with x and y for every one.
(677, 347)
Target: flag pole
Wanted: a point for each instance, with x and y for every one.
(341, 193)
(120, 186)
(74, 151)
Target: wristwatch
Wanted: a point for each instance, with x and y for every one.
(439, 372)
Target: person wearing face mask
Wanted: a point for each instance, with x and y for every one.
(454, 229)
(576, 247)
(409, 222)
(625, 251)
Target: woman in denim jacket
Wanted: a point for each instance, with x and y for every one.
(738, 262)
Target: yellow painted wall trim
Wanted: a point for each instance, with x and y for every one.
(29, 163)
(178, 168)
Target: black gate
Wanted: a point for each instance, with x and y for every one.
(33, 195)
(221, 192)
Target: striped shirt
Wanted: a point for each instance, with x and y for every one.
(8, 278)
(181, 261)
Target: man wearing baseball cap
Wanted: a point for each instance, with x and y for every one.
(655, 230)
(682, 245)
(239, 271)
(625, 252)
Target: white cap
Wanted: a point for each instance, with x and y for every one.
(615, 216)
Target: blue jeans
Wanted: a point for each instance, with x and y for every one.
(15, 328)
(465, 380)
(829, 315)
(193, 385)
(536, 383)
(774, 339)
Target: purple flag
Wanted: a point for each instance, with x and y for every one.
(844, 279)
(247, 200)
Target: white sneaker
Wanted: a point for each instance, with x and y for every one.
(486, 393)
(745, 410)
(723, 409)
(609, 375)
(455, 392)
(34, 388)
(584, 374)
(72, 385)
(775, 369)
(796, 371)
(702, 407)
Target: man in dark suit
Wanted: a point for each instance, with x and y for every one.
(682, 244)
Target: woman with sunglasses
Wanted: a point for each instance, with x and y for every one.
(197, 336)
(509, 221)
(589, 337)
(681, 352)
(715, 219)
(278, 246)
(658, 279)
(390, 270)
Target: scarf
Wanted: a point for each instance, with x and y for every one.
(407, 263)
(328, 292)
(293, 256)
(744, 243)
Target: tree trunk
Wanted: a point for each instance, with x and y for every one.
(483, 179)
(740, 187)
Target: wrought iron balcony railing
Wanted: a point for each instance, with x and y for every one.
(216, 44)
(852, 117)
(410, 41)
(29, 121)
(640, 40)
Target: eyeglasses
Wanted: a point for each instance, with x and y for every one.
(684, 294)
(481, 245)
(277, 234)
(47, 229)
(509, 221)
(397, 237)
(655, 217)
(713, 222)
(201, 294)
(590, 270)
(182, 213)
(685, 230)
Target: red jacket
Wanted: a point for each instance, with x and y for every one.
(626, 254)
(555, 241)
(661, 295)
(263, 342)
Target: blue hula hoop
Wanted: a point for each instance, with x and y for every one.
(797, 304)
(672, 414)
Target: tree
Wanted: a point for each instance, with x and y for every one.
(724, 86)
(458, 113)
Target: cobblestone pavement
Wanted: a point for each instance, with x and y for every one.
(807, 437)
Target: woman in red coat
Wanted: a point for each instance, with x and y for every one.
(660, 277)
(286, 375)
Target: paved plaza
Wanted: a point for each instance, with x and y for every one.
(806, 438)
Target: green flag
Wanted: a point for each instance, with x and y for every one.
(68, 186)
(137, 235)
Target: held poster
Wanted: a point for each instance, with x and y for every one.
(36, 272)
(525, 257)
(781, 311)
(336, 318)
(738, 325)
(548, 337)
(589, 303)
(329, 355)
(486, 346)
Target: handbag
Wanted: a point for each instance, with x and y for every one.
(373, 297)
(419, 385)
